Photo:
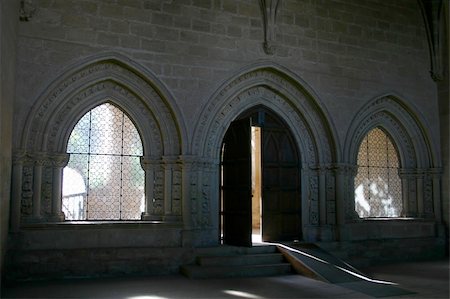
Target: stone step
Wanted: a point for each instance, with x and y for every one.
(232, 261)
(237, 260)
(197, 271)
(227, 250)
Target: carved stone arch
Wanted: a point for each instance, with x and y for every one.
(66, 117)
(391, 125)
(107, 75)
(278, 89)
(111, 77)
(419, 176)
(401, 123)
(293, 101)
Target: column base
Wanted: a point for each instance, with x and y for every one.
(60, 217)
(33, 219)
(172, 218)
(150, 217)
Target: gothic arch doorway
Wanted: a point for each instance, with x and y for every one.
(260, 180)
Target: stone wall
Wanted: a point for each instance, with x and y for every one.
(9, 16)
(444, 103)
(347, 52)
(95, 262)
(334, 56)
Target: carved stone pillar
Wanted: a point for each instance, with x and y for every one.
(419, 182)
(436, 174)
(405, 201)
(407, 177)
(340, 195)
(168, 165)
(39, 161)
(150, 164)
(322, 197)
(345, 203)
(187, 164)
(207, 196)
(58, 162)
(18, 160)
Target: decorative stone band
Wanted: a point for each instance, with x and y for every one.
(37, 161)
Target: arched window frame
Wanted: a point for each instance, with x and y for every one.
(419, 177)
(40, 152)
(122, 215)
(398, 166)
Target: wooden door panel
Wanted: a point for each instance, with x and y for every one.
(281, 183)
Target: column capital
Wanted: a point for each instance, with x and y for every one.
(407, 173)
(188, 161)
(321, 168)
(207, 163)
(19, 156)
(435, 172)
(58, 159)
(149, 162)
(344, 168)
(40, 158)
(170, 158)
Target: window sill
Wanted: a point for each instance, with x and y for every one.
(389, 219)
(102, 225)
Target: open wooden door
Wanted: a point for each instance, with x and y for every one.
(236, 184)
(281, 214)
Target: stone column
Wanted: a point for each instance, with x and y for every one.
(213, 184)
(436, 174)
(419, 182)
(168, 165)
(322, 197)
(149, 164)
(39, 161)
(345, 203)
(340, 195)
(187, 164)
(58, 162)
(16, 191)
(405, 176)
(405, 197)
(345, 197)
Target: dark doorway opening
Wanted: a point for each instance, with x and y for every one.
(260, 181)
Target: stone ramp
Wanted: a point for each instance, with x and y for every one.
(231, 261)
(312, 261)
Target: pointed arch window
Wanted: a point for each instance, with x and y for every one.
(104, 179)
(377, 183)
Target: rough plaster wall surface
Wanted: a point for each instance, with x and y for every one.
(8, 27)
(348, 52)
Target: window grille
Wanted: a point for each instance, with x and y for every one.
(377, 184)
(104, 179)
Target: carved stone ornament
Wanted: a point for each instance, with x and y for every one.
(27, 10)
(308, 126)
(67, 99)
(269, 11)
(434, 19)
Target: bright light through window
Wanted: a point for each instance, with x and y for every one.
(377, 184)
(104, 179)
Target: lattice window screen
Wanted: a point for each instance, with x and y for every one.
(377, 184)
(104, 179)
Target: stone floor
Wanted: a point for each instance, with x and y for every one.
(423, 279)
